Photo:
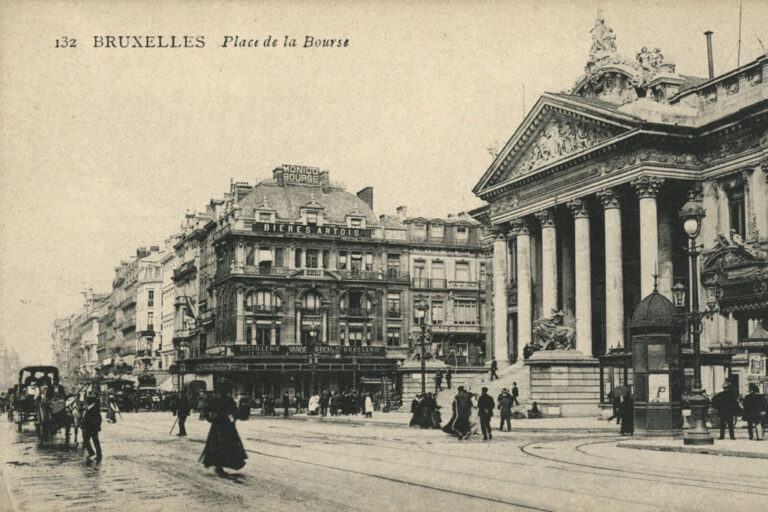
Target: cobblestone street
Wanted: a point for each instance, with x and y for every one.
(310, 465)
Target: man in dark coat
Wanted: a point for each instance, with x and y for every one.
(324, 400)
(485, 406)
(754, 410)
(182, 411)
(515, 394)
(627, 414)
(438, 381)
(727, 405)
(448, 376)
(505, 410)
(92, 426)
(286, 405)
(494, 367)
(415, 411)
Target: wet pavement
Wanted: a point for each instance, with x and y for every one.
(301, 465)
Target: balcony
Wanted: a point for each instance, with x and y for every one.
(357, 312)
(444, 241)
(422, 282)
(467, 285)
(394, 313)
(186, 270)
(264, 309)
(396, 275)
(361, 275)
(253, 270)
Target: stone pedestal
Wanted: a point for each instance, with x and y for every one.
(565, 383)
(410, 375)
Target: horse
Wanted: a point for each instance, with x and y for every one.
(551, 336)
(75, 412)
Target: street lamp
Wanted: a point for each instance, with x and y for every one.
(312, 356)
(421, 311)
(691, 213)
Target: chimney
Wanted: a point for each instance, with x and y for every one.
(155, 248)
(277, 175)
(367, 196)
(402, 212)
(708, 35)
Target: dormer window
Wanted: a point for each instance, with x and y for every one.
(436, 232)
(462, 234)
(356, 222)
(312, 218)
(265, 217)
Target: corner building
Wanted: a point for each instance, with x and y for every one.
(301, 262)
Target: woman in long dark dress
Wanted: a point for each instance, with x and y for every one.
(223, 448)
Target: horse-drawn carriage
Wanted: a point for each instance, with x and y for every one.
(40, 398)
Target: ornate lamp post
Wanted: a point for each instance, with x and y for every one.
(421, 310)
(312, 356)
(691, 213)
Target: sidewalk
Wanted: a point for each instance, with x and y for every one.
(731, 448)
(397, 419)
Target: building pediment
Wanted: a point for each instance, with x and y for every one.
(558, 128)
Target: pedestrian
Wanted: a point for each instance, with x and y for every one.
(286, 405)
(111, 408)
(727, 406)
(485, 406)
(754, 410)
(462, 404)
(223, 447)
(415, 408)
(92, 427)
(505, 409)
(515, 394)
(182, 411)
(298, 403)
(368, 406)
(627, 414)
(448, 376)
(534, 413)
(324, 401)
(615, 405)
(438, 381)
(494, 367)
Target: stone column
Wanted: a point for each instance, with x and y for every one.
(239, 318)
(667, 219)
(614, 280)
(500, 327)
(647, 189)
(723, 215)
(583, 276)
(759, 202)
(524, 299)
(548, 262)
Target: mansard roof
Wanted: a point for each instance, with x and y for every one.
(287, 200)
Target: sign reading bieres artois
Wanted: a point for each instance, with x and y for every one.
(307, 229)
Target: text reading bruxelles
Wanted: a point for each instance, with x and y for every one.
(155, 41)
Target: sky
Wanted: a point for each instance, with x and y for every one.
(102, 150)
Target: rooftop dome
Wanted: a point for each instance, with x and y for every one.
(654, 311)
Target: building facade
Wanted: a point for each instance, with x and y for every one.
(584, 200)
(303, 281)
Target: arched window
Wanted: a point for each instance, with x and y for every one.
(312, 301)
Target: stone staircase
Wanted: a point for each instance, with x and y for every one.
(474, 383)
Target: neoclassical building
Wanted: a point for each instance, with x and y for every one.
(584, 198)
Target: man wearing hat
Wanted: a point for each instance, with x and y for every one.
(485, 406)
(754, 410)
(726, 404)
(506, 401)
(92, 426)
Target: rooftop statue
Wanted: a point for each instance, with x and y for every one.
(603, 38)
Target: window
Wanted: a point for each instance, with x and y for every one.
(342, 260)
(393, 304)
(437, 233)
(312, 218)
(438, 274)
(483, 275)
(326, 257)
(462, 271)
(356, 336)
(438, 314)
(736, 210)
(356, 262)
(297, 263)
(462, 234)
(369, 262)
(465, 311)
(393, 264)
(265, 217)
(419, 274)
(151, 298)
(250, 255)
(393, 336)
(150, 321)
(311, 301)
(279, 261)
(356, 223)
(312, 258)
(249, 333)
(420, 232)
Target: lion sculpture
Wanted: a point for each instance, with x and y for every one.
(550, 334)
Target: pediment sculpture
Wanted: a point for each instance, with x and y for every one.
(559, 138)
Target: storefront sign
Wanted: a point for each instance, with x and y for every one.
(301, 350)
(302, 229)
(216, 351)
(301, 174)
